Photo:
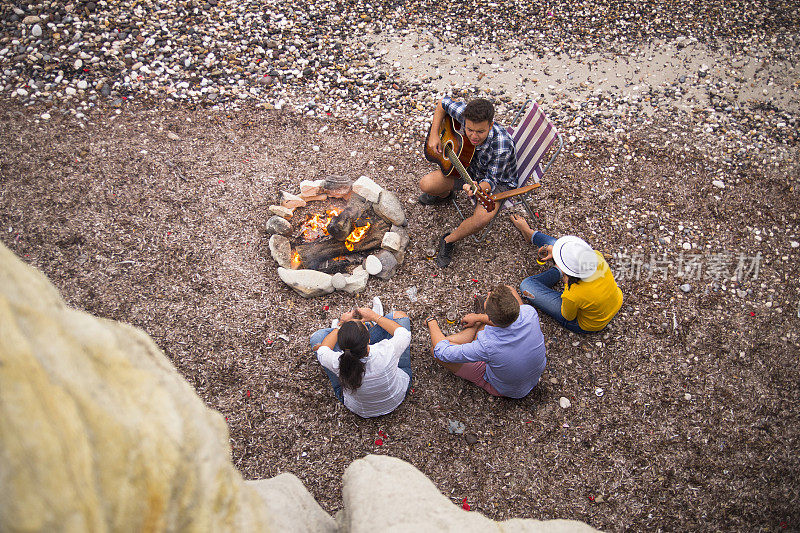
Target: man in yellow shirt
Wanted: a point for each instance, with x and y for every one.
(591, 296)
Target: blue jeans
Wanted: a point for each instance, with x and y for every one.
(376, 334)
(545, 298)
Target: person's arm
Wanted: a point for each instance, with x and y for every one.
(435, 331)
(568, 308)
(474, 319)
(446, 351)
(434, 142)
(387, 324)
(329, 340)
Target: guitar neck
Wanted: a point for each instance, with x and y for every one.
(448, 151)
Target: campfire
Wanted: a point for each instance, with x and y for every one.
(340, 245)
(315, 247)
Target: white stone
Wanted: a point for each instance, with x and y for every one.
(391, 241)
(82, 85)
(719, 184)
(378, 489)
(307, 283)
(390, 208)
(71, 91)
(36, 31)
(373, 265)
(357, 281)
(794, 244)
(31, 19)
(78, 64)
(280, 211)
(564, 402)
(173, 136)
(339, 281)
(45, 116)
(290, 506)
(367, 188)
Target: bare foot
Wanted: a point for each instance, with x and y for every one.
(522, 225)
(519, 222)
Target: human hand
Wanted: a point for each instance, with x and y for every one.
(468, 188)
(347, 315)
(470, 320)
(435, 144)
(545, 252)
(368, 314)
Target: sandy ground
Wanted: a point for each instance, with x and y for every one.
(757, 77)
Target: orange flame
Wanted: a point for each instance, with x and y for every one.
(296, 261)
(355, 236)
(317, 225)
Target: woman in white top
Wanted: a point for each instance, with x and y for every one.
(369, 367)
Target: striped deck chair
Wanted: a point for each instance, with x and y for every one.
(533, 137)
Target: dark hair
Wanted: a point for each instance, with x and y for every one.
(478, 110)
(502, 307)
(571, 280)
(353, 340)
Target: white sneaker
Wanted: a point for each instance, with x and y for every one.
(377, 306)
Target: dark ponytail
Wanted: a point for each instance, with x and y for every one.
(353, 340)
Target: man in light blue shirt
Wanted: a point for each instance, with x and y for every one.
(502, 350)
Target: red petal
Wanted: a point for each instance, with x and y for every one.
(465, 505)
(752, 313)
(379, 442)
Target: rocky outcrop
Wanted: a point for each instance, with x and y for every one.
(384, 490)
(99, 432)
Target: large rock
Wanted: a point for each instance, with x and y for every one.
(281, 250)
(381, 490)
(99, 432)
(390, 208)
(357, 281)
(389, 264)
(277, 224)
(367, 188)
(290, 506)
(306, 282)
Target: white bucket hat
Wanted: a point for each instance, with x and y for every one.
(575, 257)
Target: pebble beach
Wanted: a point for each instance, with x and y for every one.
(144, 141)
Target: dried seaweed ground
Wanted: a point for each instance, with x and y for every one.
(698, 426)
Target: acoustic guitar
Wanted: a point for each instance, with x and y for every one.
(456, 154)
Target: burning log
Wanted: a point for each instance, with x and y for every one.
(342, 224)
(316, 253)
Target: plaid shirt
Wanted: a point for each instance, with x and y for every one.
(495, 161)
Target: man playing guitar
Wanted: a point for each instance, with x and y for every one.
(493, 166)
